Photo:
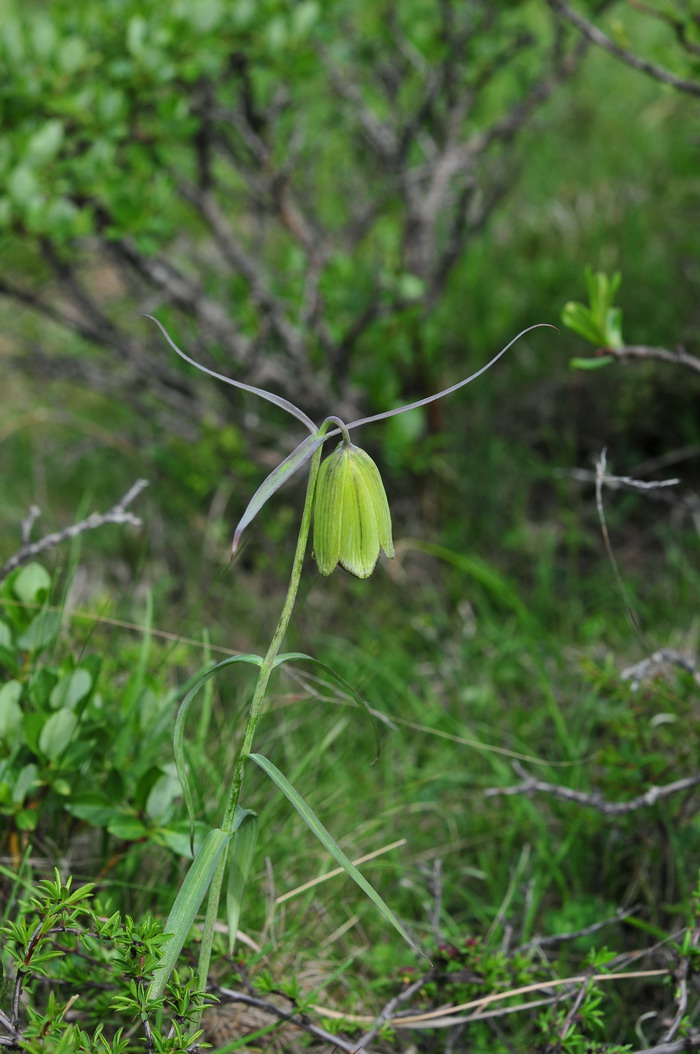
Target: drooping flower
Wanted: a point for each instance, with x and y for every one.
(352, 522)
(351, 489)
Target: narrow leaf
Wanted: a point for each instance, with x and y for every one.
(278, 400)
(298, 457)
(445, 391)
(240, 858)
(187, 904)
(179, 733)
(591, 364)
(328, 842)
(580, 319)
(345, 686)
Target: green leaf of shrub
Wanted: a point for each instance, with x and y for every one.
(10, 710)
(32, 584)
(56, 734)
(41, 631)
(71, 689)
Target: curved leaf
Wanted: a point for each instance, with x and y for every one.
(187, 904)
(298, 457)
(278, 400)
(328, 842)
(446, 391)
(240, 858)
(179, 732)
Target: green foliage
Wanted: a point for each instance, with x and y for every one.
(101, 963)
(600, 323)
(72, 748)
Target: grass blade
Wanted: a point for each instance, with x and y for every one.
(187, 904)
(241, 852)
(328, 842)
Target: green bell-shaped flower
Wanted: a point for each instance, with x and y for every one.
(352, 522)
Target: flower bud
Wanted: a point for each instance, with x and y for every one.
(352, 523)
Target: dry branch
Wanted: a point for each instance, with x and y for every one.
(117, 514)
(654, 794)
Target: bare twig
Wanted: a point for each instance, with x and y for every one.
(640, 670)
(596, 36)
(600, 475)
(389, 1008)
(559, 938)
(654, 794)
(300, 1020)
(677, 356)
(28, 522)
(681, 976)
(679, 1046)
(117, 514)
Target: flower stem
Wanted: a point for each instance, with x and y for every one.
(254, 713)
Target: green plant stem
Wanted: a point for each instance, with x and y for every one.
(254, 713)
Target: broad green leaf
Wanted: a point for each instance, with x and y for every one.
(128, 828)
(187, 904)
(32, 584)
(240, 857)
(57, 732)
(179, 733)
(26, 780)
(41, 631)
(46, 142)
(71, 689)
(95, 807)
(10, 710)
(328, 842)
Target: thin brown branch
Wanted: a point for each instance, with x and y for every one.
(117, 514)
(679, 1046)
(596, 36)
(681, 976)
(654, 794)
(387, 1012)
(300, 1020)
(676, 24)
(245, 264)
(677, 356)
(560, 938)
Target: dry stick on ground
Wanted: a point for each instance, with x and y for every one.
(530, 785)
(596, 36)
(637, 673)
(681, 975)
(300, 1020)
(679, 1046)
(117, 514)
(560, 938)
